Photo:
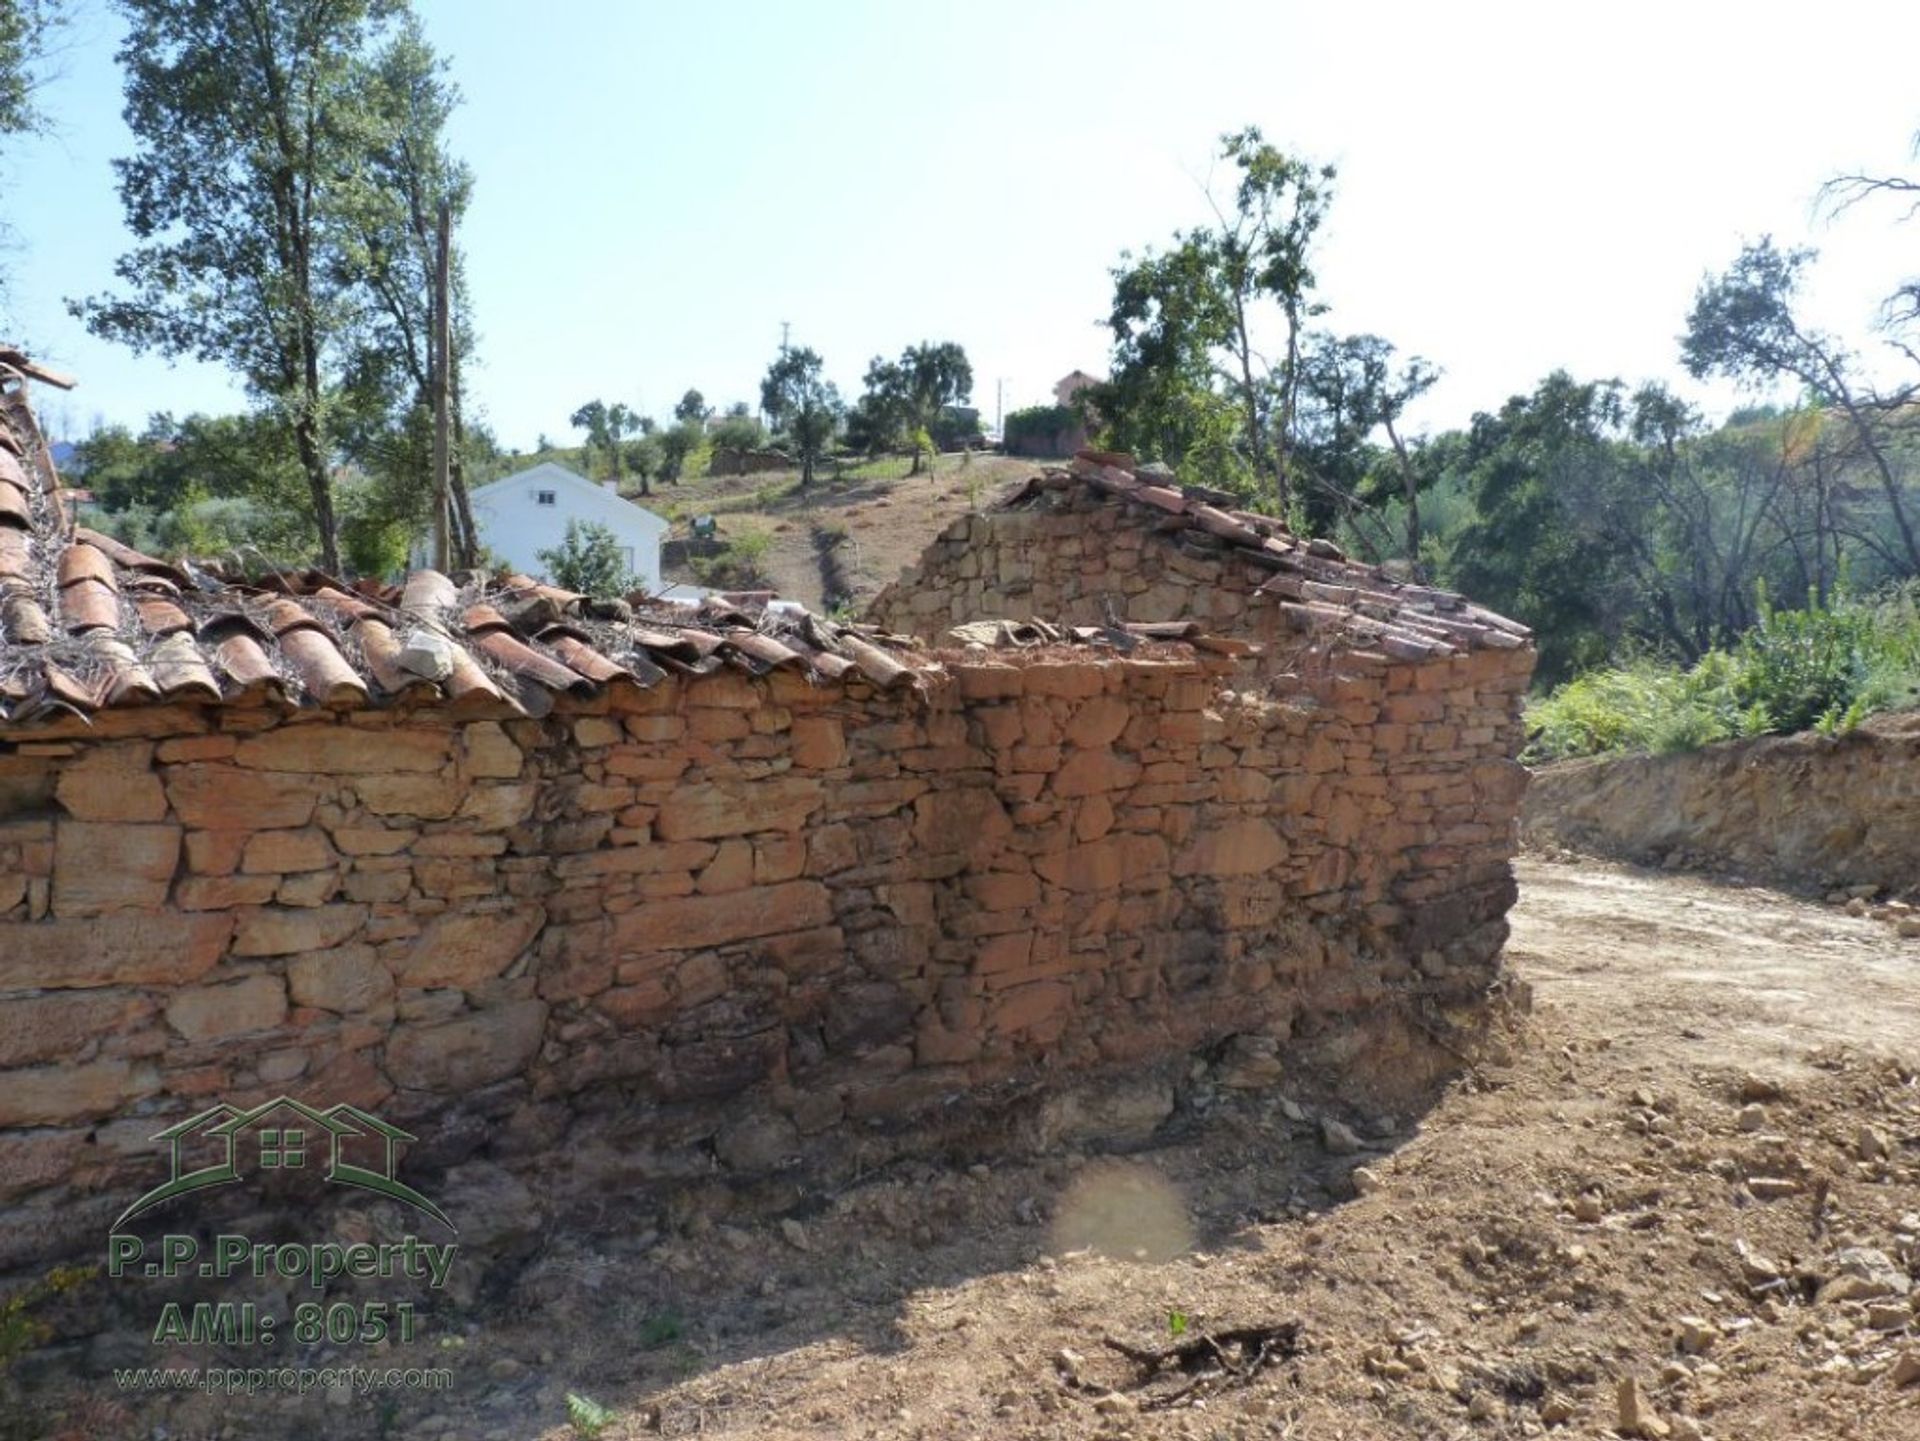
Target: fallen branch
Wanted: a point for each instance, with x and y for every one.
(1239, 1351)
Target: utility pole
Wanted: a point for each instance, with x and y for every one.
(1000, 407)
(442, 367)
(785, 326)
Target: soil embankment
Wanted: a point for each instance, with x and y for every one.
(1806, 811)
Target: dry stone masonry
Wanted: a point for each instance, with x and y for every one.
(616, 899)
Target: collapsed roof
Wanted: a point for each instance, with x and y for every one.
(88, 623)
(1317, 588)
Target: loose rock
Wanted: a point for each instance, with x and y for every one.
(1637, 1416)
(1338, 1138)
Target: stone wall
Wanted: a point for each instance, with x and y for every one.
(724, 922)
(1805, 811)
(1079, 559)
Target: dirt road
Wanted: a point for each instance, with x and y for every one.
(1760, 978)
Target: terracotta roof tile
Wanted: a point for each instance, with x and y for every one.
(89, 604)
(1318, 588)
(16, 557)
(68, 646)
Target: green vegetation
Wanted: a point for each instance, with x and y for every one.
(20, 1330)
(1638, 542)
(739, 563)
(1826, 668)
(590, 560)
(803, 407)
(25, 27)
(1037, 425)
(586, 1416)
(299, 147)
(913, 403)
(1216, 372)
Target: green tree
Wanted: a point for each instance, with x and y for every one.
(803, 406)
(390, 241)
(692, 409)
(589, 560)
(607, 428)
(1350, 391)
(904, 398)
(738, 430)
(678, 443)
(1544, 474)
(26, 31)
(1743, 326)
(1194, 375)
(250, 119)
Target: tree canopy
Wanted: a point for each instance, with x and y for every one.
(1215, 370)
(802, 406)
(286, 154)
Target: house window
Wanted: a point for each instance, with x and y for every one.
(283, 1150)
(543, 497)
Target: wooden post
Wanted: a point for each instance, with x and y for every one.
(442, 367)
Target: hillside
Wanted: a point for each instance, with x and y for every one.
(837, 543)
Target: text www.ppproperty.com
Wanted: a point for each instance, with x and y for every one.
(252, 1380)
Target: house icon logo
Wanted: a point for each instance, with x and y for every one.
(284, 1135)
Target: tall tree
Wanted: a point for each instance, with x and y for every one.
(1191, 324)
(251, 118)
(802, 405)
(692, 408)
(607, 428)
(1743, 326)
(1352, 390)
(26, 30)
(390, 244)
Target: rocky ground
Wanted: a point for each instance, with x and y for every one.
(1681, 1198)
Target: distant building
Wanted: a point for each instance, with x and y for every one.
(1070, 385)
(520, 515)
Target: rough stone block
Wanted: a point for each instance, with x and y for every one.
(697, 922)
(287, 933)
(112, 783)
(101, 868)
(58, 1095)
(464, 950)
(226, 798)
(347, 979)
(287, 852)
(42, 1028)
(712, 809)
(233, 1008)
(320, 749)
(454, 1057)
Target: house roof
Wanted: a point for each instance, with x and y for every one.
(1318, 589)
(552, 469)
(87, 624)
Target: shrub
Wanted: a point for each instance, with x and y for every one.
(590, 560)
(1827, 668)
(740, 563)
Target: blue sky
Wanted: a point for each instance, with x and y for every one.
(660, 186)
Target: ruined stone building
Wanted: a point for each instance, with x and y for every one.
(600, 895)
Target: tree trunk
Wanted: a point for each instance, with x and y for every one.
(1410, 487)
(313, 460)
(1256, 435)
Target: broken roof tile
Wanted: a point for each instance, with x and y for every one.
(1317, 587)
(301, 637)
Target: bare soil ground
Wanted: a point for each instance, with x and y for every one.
(1693, 1168)
(875, 520)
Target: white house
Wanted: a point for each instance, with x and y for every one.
(518, 516)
